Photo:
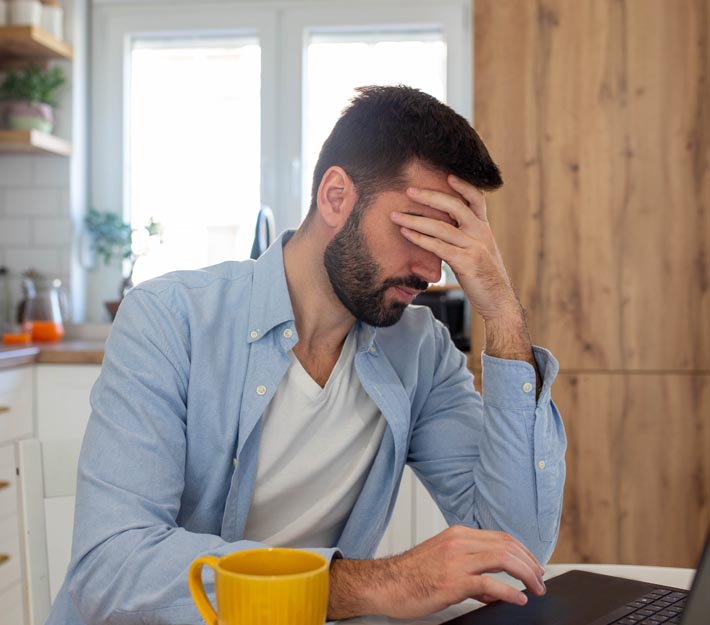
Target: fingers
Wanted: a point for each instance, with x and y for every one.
(473, 202)
(495, 561)
(484, 598)
(496, 535)
(476, 199)
(431, 227)
(438, 247)
(438, 200)
(493, 551)
(488, 589)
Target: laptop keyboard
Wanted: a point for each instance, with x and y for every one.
(658, 606)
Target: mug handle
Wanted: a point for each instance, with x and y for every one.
(197, 590)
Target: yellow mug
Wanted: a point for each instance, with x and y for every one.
(272, 586)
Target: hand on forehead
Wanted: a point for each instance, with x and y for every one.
(420, 177)
(422, 210)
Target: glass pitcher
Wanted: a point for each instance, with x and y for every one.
(42, 315)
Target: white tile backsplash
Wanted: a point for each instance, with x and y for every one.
(15, 232)
(64, 203)
(64, 260)
(44, 260)
(34, 234)
(56, 231)
(15, 169)
(32, 201)
(50, 170)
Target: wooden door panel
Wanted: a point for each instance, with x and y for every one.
(638, 468)
(598, 113)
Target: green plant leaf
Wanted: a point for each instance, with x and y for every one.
(110, 235)
(33, 84)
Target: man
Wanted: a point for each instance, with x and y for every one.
(276, 402)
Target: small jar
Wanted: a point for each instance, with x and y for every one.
(25, 12)
(53, 18)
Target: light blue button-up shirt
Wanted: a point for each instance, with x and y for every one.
(169, 459)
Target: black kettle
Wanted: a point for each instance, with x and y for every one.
(264, 233)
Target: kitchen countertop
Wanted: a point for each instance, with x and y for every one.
(73, 351)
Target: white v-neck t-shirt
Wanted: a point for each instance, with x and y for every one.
(317, 447)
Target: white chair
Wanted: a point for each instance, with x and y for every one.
(47, 486)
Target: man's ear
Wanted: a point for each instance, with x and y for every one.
(336, 197)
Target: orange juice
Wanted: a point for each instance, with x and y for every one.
(47, 331)
(16, 338)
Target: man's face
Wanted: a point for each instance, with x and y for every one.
(373, 269)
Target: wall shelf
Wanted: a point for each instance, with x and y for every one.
(21, 46)
(32, 142)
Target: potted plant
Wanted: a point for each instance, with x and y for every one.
(111, 239)
(30, 97)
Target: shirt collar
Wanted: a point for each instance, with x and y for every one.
(271, 301)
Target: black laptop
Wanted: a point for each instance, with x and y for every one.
(582, 598)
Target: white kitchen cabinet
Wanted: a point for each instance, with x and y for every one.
(13, 607)
(399, 535)
(428, 520)
(11, 569)
(50, 404)
(16, 411)
(63, 400)
(416, 517)
(63, 411)
(15, 403)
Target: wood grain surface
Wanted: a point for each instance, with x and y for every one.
(638, 488)
(598, 113)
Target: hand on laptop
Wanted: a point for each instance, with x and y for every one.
(440, 572)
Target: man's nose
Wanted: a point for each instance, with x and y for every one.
(427, 267)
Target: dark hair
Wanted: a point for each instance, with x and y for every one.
(385, 128)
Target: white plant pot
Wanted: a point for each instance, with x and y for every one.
(26, 12)
(29, 116)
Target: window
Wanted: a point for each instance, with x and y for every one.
(203, 113)
(403, 56)
(194, 148)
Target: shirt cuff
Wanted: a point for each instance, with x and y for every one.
(511, 383)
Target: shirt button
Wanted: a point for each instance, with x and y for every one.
(527, 387)
(254, 333)
(373, 349)
(234, 462)
(288, 333)
(261, 390)
(541, 464)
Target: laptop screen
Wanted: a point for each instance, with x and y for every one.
(698, 607)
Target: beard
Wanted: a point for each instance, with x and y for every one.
(354, 276)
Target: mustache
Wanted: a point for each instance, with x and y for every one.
(411, 281)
